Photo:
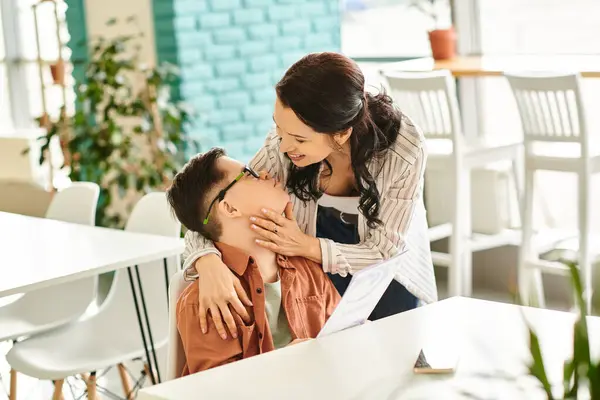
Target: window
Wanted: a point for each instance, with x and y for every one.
(388, 28)
(22, 102)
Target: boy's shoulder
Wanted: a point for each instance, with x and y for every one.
(310, 269)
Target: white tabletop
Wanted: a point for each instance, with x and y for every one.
(375, 361)
(37, 252)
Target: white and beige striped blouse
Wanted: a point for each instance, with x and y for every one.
(399, 178)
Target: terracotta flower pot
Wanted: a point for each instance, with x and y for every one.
(443, 43)
(58, 72)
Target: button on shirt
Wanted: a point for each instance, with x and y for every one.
(307, 300)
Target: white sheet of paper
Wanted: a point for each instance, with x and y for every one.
(363, 293)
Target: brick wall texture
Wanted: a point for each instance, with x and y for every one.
(232, 52)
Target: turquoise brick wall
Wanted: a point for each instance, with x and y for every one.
(78, 37)
(232, 52)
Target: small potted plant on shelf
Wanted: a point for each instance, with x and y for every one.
(442, 40)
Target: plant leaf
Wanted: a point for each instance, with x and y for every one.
(537, 368)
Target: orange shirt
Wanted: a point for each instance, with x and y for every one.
(308, 298)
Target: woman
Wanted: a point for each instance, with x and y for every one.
(354, 167)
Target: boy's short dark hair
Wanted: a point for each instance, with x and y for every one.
(193, 189)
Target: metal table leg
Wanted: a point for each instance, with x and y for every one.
(166, 277)
(141, 325)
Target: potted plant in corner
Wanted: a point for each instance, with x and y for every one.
(442, 40)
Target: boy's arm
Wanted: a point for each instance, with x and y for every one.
(331, 295)
(203, 351)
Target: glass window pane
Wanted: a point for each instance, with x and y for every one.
(540, 26)
(5, 110)
(388, 28)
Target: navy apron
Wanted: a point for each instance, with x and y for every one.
(343, 228)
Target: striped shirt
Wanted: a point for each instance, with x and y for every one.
(399, 178)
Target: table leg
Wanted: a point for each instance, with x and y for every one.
(151, 339)
(141, 325)
(166, 277)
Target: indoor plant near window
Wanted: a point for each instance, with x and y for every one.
(443, 41)
(127, 134)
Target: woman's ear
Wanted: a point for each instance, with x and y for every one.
(342, 137)
(227, 210)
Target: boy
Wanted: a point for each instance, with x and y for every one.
(292, 297)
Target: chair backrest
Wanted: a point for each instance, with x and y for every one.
(550, 106)
(429, 98)
(76, 203)
(175, 354)
(56, 305)
(152, 215)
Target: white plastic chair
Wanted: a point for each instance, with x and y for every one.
(176, 355)
(429, 98)
(49, 308)
(111, 336)
(556, 139)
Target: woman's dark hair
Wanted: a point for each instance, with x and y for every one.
(327, 92)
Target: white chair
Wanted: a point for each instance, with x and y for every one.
(556, 139)
(111, 336)
(46, 309)
(429, 98)
(175, 354)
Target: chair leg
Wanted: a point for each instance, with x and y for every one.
(531, 289)
(585, 262)
(467, 232)
(518, 170)
(147, 370)
(91, 387)
(58, 387)
(125, 381)
(13, 385)
(457, 241)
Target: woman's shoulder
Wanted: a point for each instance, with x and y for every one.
(272, 139)
(409, 144)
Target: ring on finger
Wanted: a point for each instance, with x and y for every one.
(275, 229)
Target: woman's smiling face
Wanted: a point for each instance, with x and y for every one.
(298, 141)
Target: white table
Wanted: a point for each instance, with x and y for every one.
(375, 361)
(37, 253)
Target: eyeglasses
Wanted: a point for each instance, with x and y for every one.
(221, 195)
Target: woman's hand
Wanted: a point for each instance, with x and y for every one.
(219, 289)
(282, 235)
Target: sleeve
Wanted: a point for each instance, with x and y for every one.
(331, 295)
(267, 158)
(203, 351)
(397, 209)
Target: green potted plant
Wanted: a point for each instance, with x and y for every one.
(442, 40)
(127, 134)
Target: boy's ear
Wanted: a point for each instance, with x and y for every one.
(227, 210)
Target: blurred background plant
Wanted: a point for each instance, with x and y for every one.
(127, 134)
(581, 373)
